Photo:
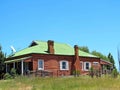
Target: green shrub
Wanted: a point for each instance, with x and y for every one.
(10, 75)
(76, 73)
(94, 72)
(115, 73)
(7, 76)
(91, 72)
(13, 72)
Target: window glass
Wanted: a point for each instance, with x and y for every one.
(40, 64)
(64, 66)
(87, 66)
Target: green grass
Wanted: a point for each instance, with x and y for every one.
(69, 83)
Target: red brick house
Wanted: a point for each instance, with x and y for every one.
(58, 58)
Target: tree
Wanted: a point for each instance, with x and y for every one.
(118, 51)
(2, 64)
(100, 55)
(111, 59)
(115, 73)
(84, 48)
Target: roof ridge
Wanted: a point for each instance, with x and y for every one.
(39, 40)
(54, 42)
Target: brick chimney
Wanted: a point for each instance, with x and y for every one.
(50, 46)
(76, 50)
(76, 60)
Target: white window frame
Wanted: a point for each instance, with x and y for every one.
(85, 66)
(81, 62)
(67, 65)
(42, 66)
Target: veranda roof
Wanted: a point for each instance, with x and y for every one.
(17, 60)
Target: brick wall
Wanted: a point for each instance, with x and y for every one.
(91, 60)
(52, 63)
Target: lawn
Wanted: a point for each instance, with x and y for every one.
(64, 83)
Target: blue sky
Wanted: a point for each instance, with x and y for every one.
(92, 23)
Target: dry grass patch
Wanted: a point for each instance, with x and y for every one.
(70, 83)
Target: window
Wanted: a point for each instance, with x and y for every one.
(95, 63)
(40, 64)
(87, 66)
(64, 65)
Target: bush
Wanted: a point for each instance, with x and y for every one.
(1, 75)
(11, 75)
(7, 76)
(91, 72)
(76, 73)
(115, 73)
(94, 72)
(13, 72)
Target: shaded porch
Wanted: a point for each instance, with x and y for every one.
(22, 65)
(106, 67)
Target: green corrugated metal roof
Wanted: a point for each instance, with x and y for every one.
(60, 49)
